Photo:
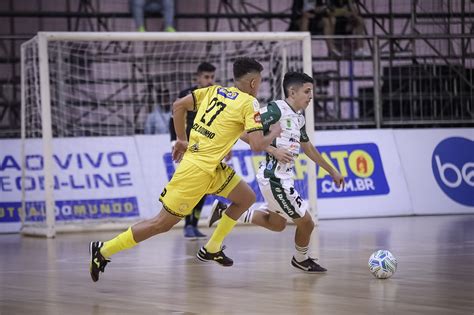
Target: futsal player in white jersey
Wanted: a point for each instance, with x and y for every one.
(276, 174)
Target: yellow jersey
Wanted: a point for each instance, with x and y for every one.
(222, 115)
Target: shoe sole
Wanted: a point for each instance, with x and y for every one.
(90, 263)
(307, 271)
(209, 261)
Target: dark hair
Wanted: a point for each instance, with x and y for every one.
(244, 65)
(295, 79)
(205, 67)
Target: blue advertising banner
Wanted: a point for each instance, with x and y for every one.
(360, 164)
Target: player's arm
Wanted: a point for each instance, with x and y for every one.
(314, 155)
(171, 122)
(282, 155)
(259, 142)
(245, 137)
(171, 130)
(261, 145)
(180, 107)
(257, 139)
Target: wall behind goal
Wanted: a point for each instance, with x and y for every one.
(388, 172)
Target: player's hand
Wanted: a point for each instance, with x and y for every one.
(283, 155)
(228, 156)
(338, 179)
(178, 150)
(276, 129)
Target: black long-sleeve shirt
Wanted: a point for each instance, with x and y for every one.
(189, 117)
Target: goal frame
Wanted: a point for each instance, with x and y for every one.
(43, 38)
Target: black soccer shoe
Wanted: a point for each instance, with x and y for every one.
(218, 257)
(309, 265)
(98, 262)
(217, 210)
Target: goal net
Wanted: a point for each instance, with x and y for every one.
(85, 96)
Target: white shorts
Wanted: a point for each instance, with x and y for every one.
(281, 197)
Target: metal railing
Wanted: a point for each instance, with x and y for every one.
(413, 80)
(410, 80)
(10, 85)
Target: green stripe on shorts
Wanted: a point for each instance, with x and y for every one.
(280, 196)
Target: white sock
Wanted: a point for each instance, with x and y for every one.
(301, 253)
(247, 216)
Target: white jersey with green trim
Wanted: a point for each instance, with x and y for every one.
(293, 132)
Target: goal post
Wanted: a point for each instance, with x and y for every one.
(80, 84)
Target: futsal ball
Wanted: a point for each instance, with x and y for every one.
(382, 264)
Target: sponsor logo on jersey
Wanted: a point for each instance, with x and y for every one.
(256, 106)
(194, 147)
(284, 203)
(267, 121)
(270, 165)
(257, 118)
(227, 94)
(453, 168)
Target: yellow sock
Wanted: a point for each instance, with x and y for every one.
(223, 229)
(121, 242)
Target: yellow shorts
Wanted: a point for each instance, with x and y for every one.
(189, 184)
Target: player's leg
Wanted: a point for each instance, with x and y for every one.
(195, 216)
(261, 217)
(304, 228)
(241, 197)
(267, 219)
(145, 229)
(227, 184)
(188, 229)
(272, 214)
(283, 199)
(191, 231)
(301, 259)
(101, 252)
(178, 198)
(138, 11)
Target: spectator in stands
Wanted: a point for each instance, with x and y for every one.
(165, 7)
(348, 17)
(339, 17)
(316, 17)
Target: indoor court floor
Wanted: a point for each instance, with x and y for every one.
(162, 276)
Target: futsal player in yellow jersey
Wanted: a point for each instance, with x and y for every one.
(222, 115)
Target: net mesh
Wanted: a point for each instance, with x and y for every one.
(109, 88)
